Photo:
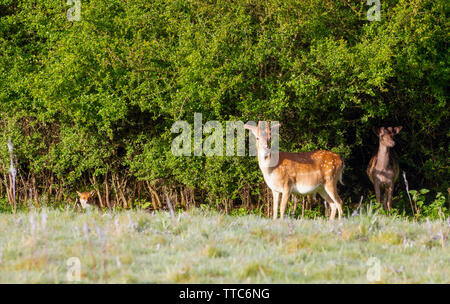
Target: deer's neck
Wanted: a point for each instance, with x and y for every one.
(383, 156)
(264, 161)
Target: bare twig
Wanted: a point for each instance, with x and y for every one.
(12, 173)
(303, 207)
(153, 194)
(407, 192)
(172, 212)
(360, 202)
(295, 201)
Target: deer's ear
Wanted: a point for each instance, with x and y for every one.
(253, 129)
(397, 129)
(79, 194)
(92, 193)
(376, 131)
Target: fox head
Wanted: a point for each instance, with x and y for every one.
(84, 198)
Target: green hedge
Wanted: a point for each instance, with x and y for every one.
(82, 99)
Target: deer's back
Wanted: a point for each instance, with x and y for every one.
(305, 170)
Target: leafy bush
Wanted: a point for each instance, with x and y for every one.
(90, 104)
(434, 210)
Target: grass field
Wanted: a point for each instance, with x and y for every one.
(207, 247)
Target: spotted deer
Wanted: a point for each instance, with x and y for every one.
(303, 173)
(85, 197)
(383, 169)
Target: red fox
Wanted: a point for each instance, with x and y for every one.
(84, 198)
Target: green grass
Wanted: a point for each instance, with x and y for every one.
(207, 247)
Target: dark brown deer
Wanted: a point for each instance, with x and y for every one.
(383, 167)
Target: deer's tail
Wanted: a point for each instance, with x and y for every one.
(340, 176)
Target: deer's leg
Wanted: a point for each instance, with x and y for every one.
(333, 211)
(330, 202)
(377, 192)
(331, 189)
(276, 197)
(384, 196)
(388, 192)
(284, 201)
(327, 208)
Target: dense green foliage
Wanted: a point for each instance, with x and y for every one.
(93, 101)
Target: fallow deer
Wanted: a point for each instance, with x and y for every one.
(303, 173)
(85, 197)
(383, 169)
